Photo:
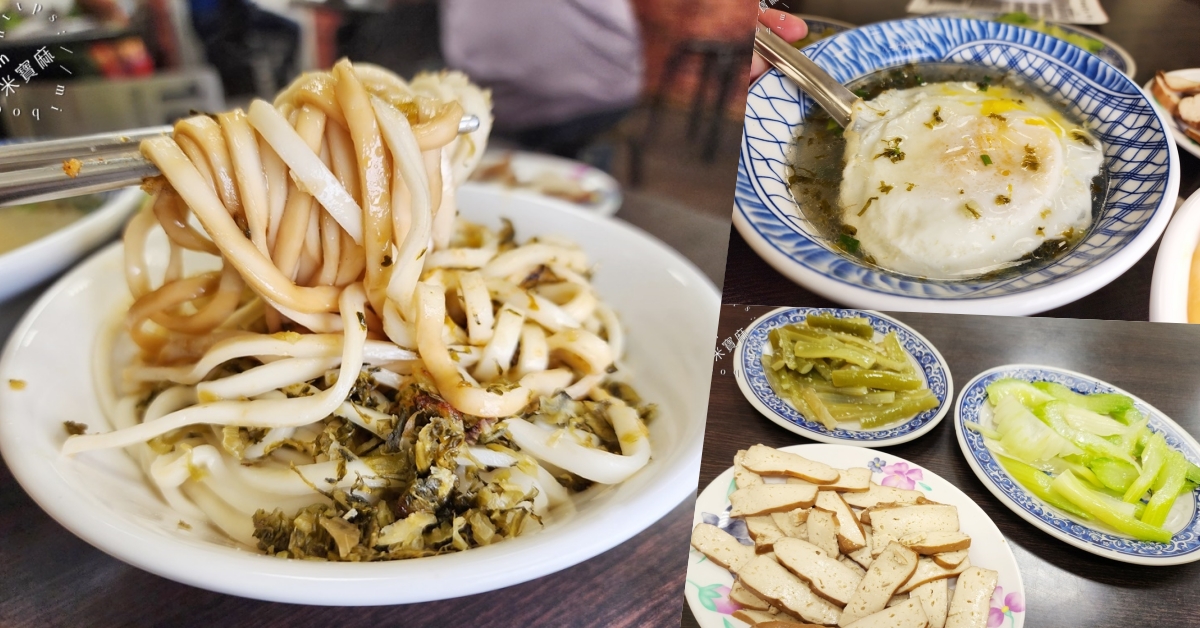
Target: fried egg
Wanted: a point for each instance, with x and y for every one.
(951, 180)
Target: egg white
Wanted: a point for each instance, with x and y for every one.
(924, 201)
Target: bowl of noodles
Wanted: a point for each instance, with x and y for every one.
(1036, 173)
(318, 371)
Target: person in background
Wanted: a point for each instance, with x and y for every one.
(561, 73)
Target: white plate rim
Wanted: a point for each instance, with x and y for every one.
(1192, 556)
(963, 500)
(1169, 289)
(608, 188)
(300, 582)
(823, 437)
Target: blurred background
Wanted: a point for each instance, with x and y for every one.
(651, 92)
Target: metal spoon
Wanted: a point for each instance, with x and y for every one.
(817, 83)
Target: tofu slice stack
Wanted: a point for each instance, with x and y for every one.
(832, 548)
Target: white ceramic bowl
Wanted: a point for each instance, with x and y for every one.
(670, 311)
(28, 265)
(1173, 266)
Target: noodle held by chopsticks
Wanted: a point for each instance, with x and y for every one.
(404, 382)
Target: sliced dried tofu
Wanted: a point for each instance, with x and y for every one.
(822, 531)
(720, 547)
(754, 617)
(893, 524)
(850, 534)
(742, 476)
(787, 623)
(891, 569)
(828, 578)
(1189, 111)
(852, 480)
(934, 597)
(928, 571)
(744, 598)
(927, 543)
(877, 494)
(1179, 83)
(763, 532)
(764, 499)
(1162, 92)
(767, 461)
(898, 599)
(972, 596)
(772, 582)
(855, 567)
(792, 522)
(863, 556)
(950, 560)
(908, 614)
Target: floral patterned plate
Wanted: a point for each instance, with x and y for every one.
(707, 586)
(1183, 520)
(748, 371)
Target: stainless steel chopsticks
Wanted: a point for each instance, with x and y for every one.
(37, 171)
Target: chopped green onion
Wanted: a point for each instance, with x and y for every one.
(987, 161)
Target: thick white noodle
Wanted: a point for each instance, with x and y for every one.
(307, 168)
(592, 464)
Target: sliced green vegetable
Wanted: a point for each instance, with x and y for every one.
(1039, 483)
(1027, 438)
(1154, 456)
(876, 379)
(1116, 475)
(1166, 488)
(1092, 422)
(1106, 509)
(1103, 403)
(857, 326)
(1054, 415)
(1025, 392)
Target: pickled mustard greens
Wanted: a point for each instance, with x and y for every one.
(367, 376)
(833, 371)
(1093, 456)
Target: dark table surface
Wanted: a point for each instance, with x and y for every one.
(1159, 34)
(1064, 586)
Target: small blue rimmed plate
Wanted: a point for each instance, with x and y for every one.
(707, 586)
(1184, 519)
(748, 371)
(1142, 163)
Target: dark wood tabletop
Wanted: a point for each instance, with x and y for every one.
(1064, 586)
(1159, 34)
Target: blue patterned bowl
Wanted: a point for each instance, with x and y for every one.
(1140, 156)
(1184, 519)
(748, 371)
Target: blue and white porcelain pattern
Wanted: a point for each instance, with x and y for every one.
(748, 371)
(1184, 546)
(1141, 159)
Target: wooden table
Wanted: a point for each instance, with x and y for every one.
(1160, 34)
(1064, 586)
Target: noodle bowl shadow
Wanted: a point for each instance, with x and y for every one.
(667, 307)
(1141, 159)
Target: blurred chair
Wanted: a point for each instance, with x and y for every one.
(98, 105)
(721, 54)
(253, 49)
